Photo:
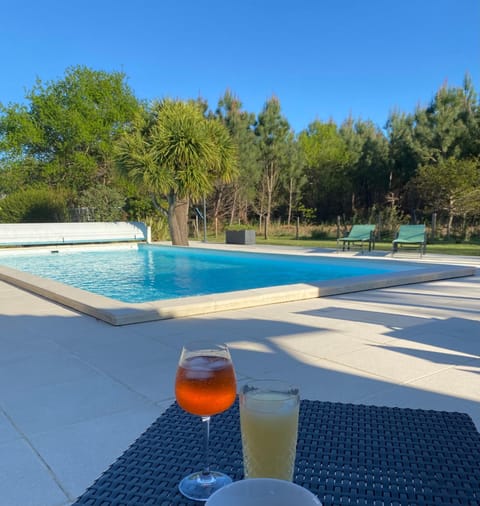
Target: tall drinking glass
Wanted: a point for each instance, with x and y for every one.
(269, 423)
(205, 385)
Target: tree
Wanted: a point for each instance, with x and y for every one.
(326, 156)
(236, 197)
(368, 166)
(447, 127)
(273, 133)
(177, 154)
(293, 178)
(450, 186)
(63, 136)
(403, 154)
(433, 138)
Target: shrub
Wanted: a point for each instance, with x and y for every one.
(319, 234)
(34, 205)
(159, 227)
(137, 208)
(104, 203)
(239, 227)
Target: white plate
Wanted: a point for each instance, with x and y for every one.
(263, 492)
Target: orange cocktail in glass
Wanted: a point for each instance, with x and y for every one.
(205, 386)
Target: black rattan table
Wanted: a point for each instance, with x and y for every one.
(347, 454)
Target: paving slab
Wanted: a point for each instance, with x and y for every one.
(50, 407)
(41, 369)
(25, 480)
(7, 430)
(453, 389)
(72, 451)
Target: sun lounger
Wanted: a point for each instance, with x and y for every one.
(410, 236)
(359, 233)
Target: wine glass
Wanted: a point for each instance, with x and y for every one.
(205, 385)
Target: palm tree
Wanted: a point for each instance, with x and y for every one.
(177, 154)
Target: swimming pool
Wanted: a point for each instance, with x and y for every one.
(146, 282)
(149, 273)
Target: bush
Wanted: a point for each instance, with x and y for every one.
(34, 205)
(104, 203)
(319, 234)
(137, 208)
(159, 227)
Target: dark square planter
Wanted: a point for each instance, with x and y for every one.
(240, 236)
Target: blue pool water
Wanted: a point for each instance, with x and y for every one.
(154, 272)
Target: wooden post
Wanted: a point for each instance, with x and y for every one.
(434, 226)
(204, 219)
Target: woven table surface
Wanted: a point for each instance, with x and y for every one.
(346, 454)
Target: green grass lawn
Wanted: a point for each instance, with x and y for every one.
(445, 248)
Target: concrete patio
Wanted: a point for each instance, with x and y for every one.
(75, 392)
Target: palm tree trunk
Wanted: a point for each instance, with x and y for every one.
(178, 210)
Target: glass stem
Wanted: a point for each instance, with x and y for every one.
(206, 465)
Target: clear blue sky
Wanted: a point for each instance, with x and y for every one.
(322, 58)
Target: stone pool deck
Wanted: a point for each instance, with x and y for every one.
(76, 391)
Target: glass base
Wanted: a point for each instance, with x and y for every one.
(200, 487)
